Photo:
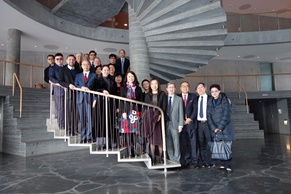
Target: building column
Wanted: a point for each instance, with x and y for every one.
(12, 54)
(139, 57)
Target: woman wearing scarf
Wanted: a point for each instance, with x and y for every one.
(130, 111)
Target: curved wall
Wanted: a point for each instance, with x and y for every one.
(41, 14)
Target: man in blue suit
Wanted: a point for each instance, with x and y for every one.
(188, 138)
(58, 91)
(85, 81)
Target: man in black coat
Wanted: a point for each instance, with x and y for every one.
(51, 62)
(188, 137)
(67, 77)
(203, 131)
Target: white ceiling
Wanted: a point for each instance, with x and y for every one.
(36, 35)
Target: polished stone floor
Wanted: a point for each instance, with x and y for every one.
(259, 166)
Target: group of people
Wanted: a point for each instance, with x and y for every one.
(192, 120)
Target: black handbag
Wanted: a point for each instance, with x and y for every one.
(221, 150)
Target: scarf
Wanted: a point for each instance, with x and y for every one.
(130, 90)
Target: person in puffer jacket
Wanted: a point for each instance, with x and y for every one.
(219, 120)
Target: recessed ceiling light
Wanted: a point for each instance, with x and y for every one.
(125, 24)
(258, 57)
(238, 56)
(277, 58)
(2, 44)
(35, 46)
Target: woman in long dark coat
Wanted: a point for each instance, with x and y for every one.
(151, 127)
(106, 85)
(219, 120)
(130, 111)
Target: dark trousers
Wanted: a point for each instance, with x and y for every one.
(60, 110)
(204, 137)
(189, 145)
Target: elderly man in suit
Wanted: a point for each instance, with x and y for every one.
(188, 137)
(122, 64)
(85, 81)
(174, 123)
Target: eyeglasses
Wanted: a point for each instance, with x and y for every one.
(184, 86)
(58, 59)
(214, 91)
(200, 88)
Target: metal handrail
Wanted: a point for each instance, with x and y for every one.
(13, 90)
(31, 66)
(140, 103)
(246, 96)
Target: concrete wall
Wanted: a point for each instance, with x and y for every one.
(248, 23)
(224, 67)
(231, 69)
(282, 82)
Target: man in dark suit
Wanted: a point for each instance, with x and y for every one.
(67, 77)
(51, 62)
(58, 91)
(174, 124)
(122, 64)
(85, 81)
(203, 130)
(188, 137)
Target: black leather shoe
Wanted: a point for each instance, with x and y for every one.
(195, 165)
(185, 166)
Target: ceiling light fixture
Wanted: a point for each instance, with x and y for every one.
(35, 46)
(125, 24)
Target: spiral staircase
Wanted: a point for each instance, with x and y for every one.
(181, 36)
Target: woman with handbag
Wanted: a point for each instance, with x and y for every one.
(221, 127)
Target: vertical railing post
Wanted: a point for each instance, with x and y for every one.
(51, 102)
(106, 124)
(164, 139)
(65, 110)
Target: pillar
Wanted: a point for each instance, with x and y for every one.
(12, 54)
(139, 57)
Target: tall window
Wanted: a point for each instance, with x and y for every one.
(266, 80)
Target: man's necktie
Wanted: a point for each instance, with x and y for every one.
(185, 100)
(201, 108)
(169, 104)
(122, 66)
(85, 78)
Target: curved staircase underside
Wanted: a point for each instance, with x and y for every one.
(181, 36)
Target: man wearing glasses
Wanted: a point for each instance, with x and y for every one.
(58, 92)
